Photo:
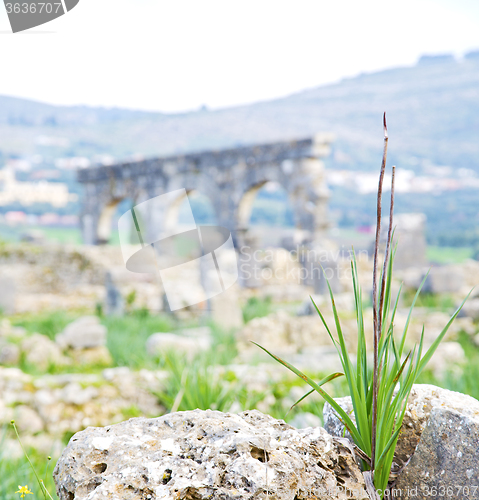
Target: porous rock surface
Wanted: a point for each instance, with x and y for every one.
(445, 463)
(206, 455)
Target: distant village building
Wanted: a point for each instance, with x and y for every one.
(29, 193)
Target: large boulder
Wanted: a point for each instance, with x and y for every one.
(440, 432)
(206, 455)
(184, 342)
(85, 332)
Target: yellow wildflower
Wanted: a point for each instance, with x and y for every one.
(23, 490)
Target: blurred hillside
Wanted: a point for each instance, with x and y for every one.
(433, 115)
(433, 120)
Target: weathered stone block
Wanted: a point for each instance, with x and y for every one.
(83, 333)
(162, 343)
(445, 462)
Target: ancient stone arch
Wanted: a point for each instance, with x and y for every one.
(230, 178)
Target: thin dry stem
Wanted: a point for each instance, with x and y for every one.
(386, 256)
(375, 298)
(386, 259)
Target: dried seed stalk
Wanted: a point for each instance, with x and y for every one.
(375, 297)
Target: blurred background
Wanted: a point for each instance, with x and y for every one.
(127, 80)
(102, 85)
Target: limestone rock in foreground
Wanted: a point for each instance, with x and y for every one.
(206, 455)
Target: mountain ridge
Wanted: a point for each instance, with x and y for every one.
(432, 109)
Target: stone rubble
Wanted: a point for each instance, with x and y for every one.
(304, 340)
(84, 341)
(49, 407)
(9, 353)
(42, 352)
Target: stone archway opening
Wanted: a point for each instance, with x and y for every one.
(188, 208)
(266, 215)
(231, 178)
(107, 230)
(201, 206)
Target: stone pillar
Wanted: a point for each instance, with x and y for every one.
(318, 256)
(225, 210)
(94, 201)
(313, 169)
(89, 226)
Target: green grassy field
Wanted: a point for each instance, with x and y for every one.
(70, 235)
(449, 255)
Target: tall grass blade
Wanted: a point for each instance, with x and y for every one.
(347, 420)
(320, 383)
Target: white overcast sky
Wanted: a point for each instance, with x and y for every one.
(176, 55)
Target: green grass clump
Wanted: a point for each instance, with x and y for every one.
(256, 308)
(17, 471)
(47, 323)
(128, 334)
(194, 384)
(435, 301)
(397, 371)
(33, 470)
(379, 393)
